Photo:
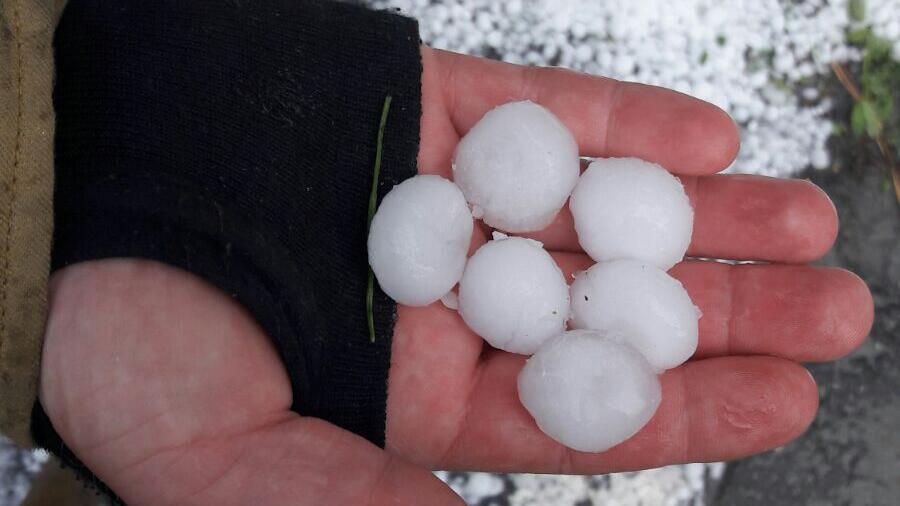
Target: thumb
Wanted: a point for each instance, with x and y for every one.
(297, 461)
(167, 390)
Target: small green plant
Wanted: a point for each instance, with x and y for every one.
(373, 204)
(857, 10)
(873, 114)
(879, 78)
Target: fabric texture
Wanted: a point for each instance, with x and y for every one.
(26, 201)
(236, 140)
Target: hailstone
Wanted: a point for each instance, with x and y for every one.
(587, 391)
(514, 295)
(629, 208)
(517, 166)
(419, 239)
(646, 307)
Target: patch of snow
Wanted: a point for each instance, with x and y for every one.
(17, 468)
(748, 57)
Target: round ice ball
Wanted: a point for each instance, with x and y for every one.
(587, 391)
(419, 240)
(517, 166)
(646, 307)
(514, 295)
(629, 208)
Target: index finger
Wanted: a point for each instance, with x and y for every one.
(608, 118)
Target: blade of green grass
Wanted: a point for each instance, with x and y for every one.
(373, 203)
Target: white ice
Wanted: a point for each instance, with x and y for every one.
(517, 166)
(514, 295)
(640, 304)
(628, 208)
(419, 240)
(587, 391)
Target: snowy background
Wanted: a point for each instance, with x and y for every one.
(17, 468)
(766, 62)
(757, 59)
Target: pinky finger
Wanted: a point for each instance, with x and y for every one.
(715, 409)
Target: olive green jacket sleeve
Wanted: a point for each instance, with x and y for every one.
(26, 201)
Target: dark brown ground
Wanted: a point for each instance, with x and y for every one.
(851, 454)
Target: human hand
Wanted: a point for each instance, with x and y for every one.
(171, 394)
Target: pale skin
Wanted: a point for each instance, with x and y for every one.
(170, 392)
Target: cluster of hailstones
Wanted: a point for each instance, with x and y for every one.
(589, 388)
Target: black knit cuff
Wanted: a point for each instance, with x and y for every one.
(236, 140)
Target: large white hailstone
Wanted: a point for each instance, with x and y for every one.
(588, 391)
(629, 208)
(646, 307)
(517, 166)
(514, 295)
(419, 240)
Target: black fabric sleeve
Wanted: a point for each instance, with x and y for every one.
(236, 139)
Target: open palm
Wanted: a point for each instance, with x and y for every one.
(171, 394)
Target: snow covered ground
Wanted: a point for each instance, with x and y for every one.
(667, 486)
(757, 59)
(17, 468)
